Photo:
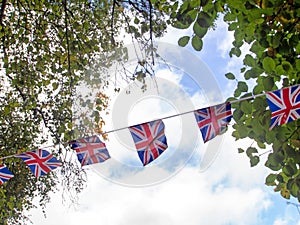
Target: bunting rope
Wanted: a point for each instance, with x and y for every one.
(163, 118)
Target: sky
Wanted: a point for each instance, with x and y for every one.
(191, 183)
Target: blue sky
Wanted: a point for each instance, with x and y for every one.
(225, 192)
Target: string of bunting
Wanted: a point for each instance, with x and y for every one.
(149, 137)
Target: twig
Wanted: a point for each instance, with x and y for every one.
(45, 121)
(151, 31)
(112, 22)
(68, 44)
(3, 5)
(296, 205)
(24, 97)
(127, 22)
(265, 153)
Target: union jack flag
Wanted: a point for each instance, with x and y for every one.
(284, 105)
(213, 120)
(5, 174)
(149, 139)
(40, 161)
(90, 150)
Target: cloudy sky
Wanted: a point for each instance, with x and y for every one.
(186, 185)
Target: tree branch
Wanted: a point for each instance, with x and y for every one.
(112, 23)
(45, 121)
(135, 6)
(68, 44)
(151, 32)
(3, 5)
(24, 97)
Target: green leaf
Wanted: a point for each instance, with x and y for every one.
(240, 132)
(230, 76)
(287, 66)
(290, 169)
(270, 179)
(99, 101)
(298, 64)
(240, 150)
(255, 72)
(249, 60)
(246, 107)
(233, 26)
(257, 48)
(259, 104)
(197, 43)
(237, 114)
(136, 20)
(235, 51)
(204, 20)
(242, 86)
(237, 93)
(229, 17)
(70, 125)
(268, 83)
(250, 151)
(268, 64)
(6, 110)
(280, 178)
(258, 89)
(293, 187)
(198, 30)
(254, 161)
(180, 25)
(280, 70)
(192, 14)
(274, 161)
(261, 145)
(183, 41)
(54, 86)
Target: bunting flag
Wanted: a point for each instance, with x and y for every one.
(284, 105)
(5, 174)
(213, 120)
(90, 150)
(40, 161)
(149, 139)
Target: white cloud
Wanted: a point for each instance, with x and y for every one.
(280, 222)
(288, 220)
(227, 193)
(174, 34)
(225, 43)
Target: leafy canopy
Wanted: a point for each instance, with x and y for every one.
(48, 48)
(271, 29)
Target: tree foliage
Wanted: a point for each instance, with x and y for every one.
(47, 49)
(271, 30)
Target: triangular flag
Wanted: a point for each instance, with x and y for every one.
(150, 140)
(284, 105)
(40, 161)
(90, 150)
(5, 174)
(213, 120)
